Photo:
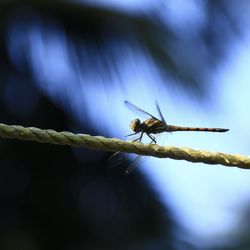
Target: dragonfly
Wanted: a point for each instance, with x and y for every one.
(152, 126)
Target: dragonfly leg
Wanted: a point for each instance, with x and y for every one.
(152, 138)
(131, 134)
(139, 139)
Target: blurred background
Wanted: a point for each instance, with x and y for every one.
(69, 65)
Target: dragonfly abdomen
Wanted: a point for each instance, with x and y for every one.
(173, 128)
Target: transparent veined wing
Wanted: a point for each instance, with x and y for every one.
(136, 109)
(159, 112)
(117, 159)
(134, 163)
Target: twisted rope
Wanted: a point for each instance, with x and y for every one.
(113, 144)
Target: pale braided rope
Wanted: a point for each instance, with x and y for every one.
(112, 144)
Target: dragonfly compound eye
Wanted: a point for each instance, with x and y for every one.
(135, 125)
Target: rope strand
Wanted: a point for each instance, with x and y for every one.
(113, 144)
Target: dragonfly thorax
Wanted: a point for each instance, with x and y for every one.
(135, 125)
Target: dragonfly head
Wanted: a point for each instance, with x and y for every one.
(135, 125)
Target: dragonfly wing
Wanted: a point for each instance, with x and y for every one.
(136, 109)
(133, 164)
(159, 111)
(118, 158)
(115, 160)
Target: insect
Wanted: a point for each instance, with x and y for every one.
(154, 125)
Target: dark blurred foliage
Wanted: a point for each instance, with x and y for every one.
(188, 58)
(51, 199)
